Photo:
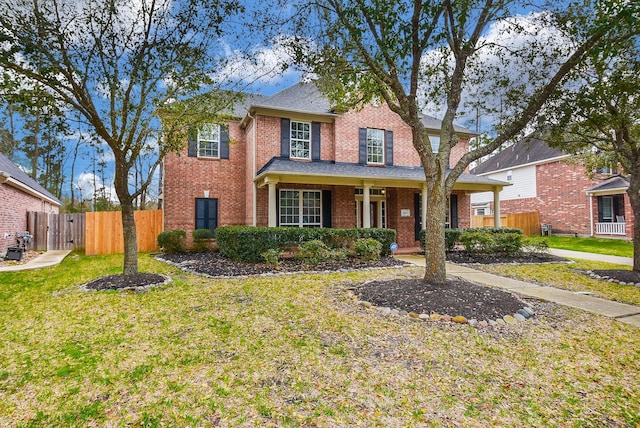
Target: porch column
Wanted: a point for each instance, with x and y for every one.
(273, 214)
(591, 214)
(496, 207)
(366, 206)
(423, 208)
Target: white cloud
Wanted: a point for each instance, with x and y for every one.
(91, 185)
(516, 57)
(261, 65)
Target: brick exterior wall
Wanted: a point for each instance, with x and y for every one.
(13, 213)
(231, 181)
(562, 200)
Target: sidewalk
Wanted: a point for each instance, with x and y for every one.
(50, 258)
(628, 314)
(591, 256)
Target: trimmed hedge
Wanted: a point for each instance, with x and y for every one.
(172, 241)
(248, 243)
(453, 236)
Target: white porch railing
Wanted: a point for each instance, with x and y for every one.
(611, 228)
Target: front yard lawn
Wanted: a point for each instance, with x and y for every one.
(612, 247)
(293, 350)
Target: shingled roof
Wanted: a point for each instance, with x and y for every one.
(343, 169)
(529, 150)
(15, 173)
(307, 98)
(616, 183)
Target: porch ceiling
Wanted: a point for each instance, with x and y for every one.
(347, 174)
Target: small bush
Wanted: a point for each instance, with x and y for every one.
(536, 246)
(367, 248)
(271, 256)
(477, 242)
(313, 252)
(201, 239)
(172, 241)
(507, 243)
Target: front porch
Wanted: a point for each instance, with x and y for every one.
(353, 195)
(611, 229)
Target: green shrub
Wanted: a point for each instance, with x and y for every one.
(246, 243)
(172, 241)
(367, 248)
(313, 252)
(477, 242)
(201, 239)
(271, 256)
(507, 243)
(536, 246)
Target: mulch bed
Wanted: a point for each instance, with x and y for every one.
(456, 297)
(620, 275)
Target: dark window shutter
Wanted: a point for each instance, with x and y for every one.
(315, 140)
(207, 213)
(326, 208)
(192, 144)
(600, 209)
(224, 142)
(618, 206)
(417, 209)
(362, 148)
(388, 148)
(453, 206)
(285, 138)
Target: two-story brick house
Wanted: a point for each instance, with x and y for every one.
(290, 160)
(555, 184)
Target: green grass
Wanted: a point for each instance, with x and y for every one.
(613, 247)
(292, 350)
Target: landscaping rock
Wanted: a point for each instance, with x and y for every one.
(459, 319)
(519, 317)
(509, 319)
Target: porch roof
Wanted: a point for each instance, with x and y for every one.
(611, 186)
(349, 174)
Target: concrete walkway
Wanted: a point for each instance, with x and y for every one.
(591, 256)
(628, 314)
(50, 258)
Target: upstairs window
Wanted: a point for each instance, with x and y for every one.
(375, 146)
(209, 141)
(300, 140)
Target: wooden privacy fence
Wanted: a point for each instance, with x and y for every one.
(528, 222)
(104, 231)
(56, 231)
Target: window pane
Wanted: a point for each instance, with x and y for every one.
(607, 208)
(300, 140)
(300, 208)
(209, 140)
(375, 146)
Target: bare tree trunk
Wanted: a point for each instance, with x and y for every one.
(634, 197)
(435, 253)
(130, 239)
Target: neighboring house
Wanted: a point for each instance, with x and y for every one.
(551, 182)
(19, 194)
(291, 160)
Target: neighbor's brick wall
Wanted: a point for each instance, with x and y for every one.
(186, 178)
(14, 206)
(561, 198)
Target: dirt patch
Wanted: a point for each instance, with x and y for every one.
(136, 282)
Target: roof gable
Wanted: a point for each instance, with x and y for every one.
(19, 175)
(526, 151)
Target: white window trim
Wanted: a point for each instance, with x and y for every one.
(369, 162)
(300, 222)
(291, 139)
(207, 140)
